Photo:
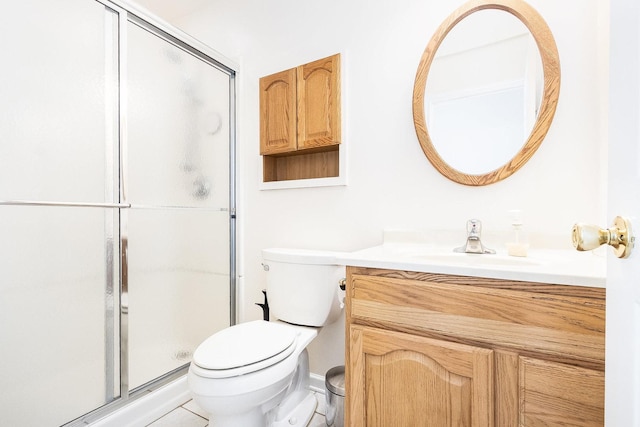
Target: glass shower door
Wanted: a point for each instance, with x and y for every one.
(177, 171)
(116, 192)
(58, 127)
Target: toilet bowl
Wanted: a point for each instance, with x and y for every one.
(256, 374)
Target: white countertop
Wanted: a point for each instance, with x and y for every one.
(555, 266)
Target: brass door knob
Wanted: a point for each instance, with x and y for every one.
(587, 237)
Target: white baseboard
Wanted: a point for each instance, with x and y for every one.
(316, 383)
(149, 408)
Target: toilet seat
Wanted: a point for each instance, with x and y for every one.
(244, 348)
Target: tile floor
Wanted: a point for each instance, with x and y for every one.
(190, 415)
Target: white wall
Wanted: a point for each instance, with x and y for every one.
(391, 183)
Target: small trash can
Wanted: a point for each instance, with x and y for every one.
(334, 385)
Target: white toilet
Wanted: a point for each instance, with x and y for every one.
(256, 374)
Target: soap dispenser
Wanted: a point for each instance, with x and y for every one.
(519, 244)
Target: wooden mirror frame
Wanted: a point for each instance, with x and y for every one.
(551, 69)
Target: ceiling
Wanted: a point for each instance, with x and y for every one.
(172, 9)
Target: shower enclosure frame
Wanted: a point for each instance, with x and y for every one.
(130, 13)
(117, 250)
(173, 36)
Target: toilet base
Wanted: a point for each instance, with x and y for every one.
(300, 415)
(249, 419)
(298, 406)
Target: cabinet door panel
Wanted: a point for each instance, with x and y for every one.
(558, 394)
(278, 112)
(319, 103)
(404, 380)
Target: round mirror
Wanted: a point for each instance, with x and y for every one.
(486, 91)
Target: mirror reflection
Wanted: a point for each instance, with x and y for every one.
(483, 91)
(492, 90)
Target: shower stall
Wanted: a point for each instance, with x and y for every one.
(117, 206)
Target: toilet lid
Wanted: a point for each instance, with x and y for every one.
(245, 344)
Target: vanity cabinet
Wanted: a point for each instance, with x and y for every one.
(412, 380)
(440, 350)
(300, 121)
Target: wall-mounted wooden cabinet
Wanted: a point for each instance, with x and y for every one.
(300, 121)
(438, 350)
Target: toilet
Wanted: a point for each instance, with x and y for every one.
(256, 374)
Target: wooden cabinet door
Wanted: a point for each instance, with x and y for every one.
(319, 103)
(278, 112)
(554, 394)
(403, 380)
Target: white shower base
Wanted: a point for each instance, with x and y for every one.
(146, 409)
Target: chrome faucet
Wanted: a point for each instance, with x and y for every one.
(474, 245)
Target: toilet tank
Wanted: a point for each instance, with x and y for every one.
(303, 286)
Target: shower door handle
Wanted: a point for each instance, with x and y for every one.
(124, 276)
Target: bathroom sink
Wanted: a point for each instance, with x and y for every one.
(435, 255)
(473, 259)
